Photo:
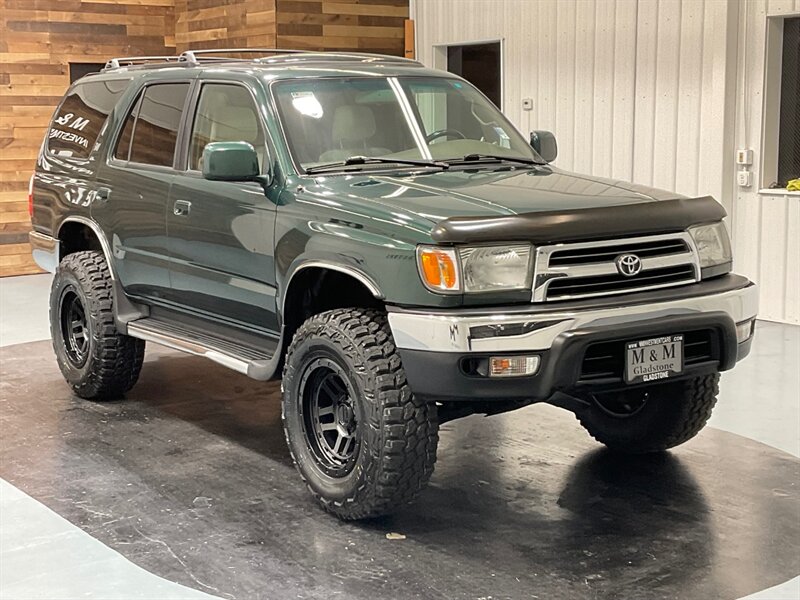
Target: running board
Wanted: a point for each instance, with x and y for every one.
(240, 357)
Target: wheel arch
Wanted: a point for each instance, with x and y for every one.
(78, 233)
(314, 286)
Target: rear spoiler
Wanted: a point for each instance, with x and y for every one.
(659, 216)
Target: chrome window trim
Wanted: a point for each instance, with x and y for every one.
(543, 274)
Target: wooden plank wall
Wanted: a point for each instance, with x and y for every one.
(225, 24)
(362, 25)
(38, 40)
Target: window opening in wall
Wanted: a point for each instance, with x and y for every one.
(780, 161)
(789, 129)
(480, 64)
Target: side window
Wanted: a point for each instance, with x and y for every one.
(123, 149)
(154, 133)
(81, 117)
(225, 113)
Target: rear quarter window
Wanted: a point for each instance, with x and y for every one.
(81, 116)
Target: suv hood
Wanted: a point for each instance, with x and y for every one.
(468, 205)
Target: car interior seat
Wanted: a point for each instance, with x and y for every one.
(353, 127)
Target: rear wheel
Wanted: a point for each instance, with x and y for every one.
(651, 419)
(97, 361)
(362, 442)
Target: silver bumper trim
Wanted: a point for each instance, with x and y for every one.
(444, 333)
(45, 250)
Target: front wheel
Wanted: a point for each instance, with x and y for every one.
(651, 419)
(361, 441)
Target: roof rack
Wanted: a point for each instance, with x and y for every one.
(197, 55)
(194, 57)
(116, 63)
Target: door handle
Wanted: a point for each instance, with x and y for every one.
(101, 195)
(181, 208)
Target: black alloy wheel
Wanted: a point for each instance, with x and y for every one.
(361, 441)
(98, 361)
(329, 416)
(74, 327)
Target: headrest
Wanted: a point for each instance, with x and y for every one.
(240, 124)
(353, 123)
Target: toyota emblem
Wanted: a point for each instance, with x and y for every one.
(628, 264)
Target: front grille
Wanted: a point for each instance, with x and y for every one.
(603, 362)
(646, 249)
(571, 287)
(589, 269)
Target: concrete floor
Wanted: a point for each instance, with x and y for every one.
(185, 489)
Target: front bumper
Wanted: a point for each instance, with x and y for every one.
(437, 346)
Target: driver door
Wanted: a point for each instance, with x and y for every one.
(221, 234)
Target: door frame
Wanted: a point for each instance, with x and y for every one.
(440, 60)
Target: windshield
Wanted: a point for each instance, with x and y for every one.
(329, 120)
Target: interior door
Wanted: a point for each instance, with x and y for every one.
(133, 189)
(221, 234)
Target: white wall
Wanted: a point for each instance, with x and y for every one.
(643, 91)
(766, 227)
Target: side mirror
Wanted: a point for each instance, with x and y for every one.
(230, 161)
(545, 145)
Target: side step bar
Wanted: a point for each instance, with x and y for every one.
(253, 362)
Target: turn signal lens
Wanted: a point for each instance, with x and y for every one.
(438, 268)
(513, 366)
(744, 330)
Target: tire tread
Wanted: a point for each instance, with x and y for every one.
(406, 426)
(116, 359)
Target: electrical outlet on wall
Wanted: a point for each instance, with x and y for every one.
(744, 178)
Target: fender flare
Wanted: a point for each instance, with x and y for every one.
(101, 236)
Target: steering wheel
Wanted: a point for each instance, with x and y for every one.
(445, 132)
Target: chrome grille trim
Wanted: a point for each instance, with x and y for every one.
(598, 260)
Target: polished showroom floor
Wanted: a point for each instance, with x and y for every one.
(185, 490)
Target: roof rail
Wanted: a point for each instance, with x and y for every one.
(223, 54)
(116, 63)
(197, 55)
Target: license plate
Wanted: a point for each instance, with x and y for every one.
(654, 359)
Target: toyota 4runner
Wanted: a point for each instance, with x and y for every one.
(378, 235)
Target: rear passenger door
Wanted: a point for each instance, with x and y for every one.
(221, 233)
(133, 188)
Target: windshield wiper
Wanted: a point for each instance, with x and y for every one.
(498, 157)
(370, 160)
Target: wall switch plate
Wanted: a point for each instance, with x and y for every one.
(527, 104)
(744, 156)
(744, 178)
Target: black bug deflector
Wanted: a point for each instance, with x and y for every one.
(660, 216)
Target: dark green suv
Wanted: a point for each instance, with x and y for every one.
(380, 236)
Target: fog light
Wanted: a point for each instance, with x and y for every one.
(513, 366)
(744, 330)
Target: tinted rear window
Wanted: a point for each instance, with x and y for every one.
(156, 130)
(81, 116)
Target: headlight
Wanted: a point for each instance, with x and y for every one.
(713, 244)
(475, 269)
(494, 268)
